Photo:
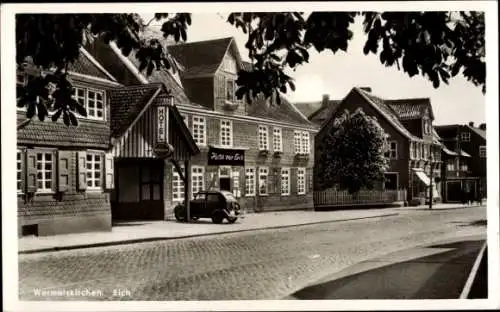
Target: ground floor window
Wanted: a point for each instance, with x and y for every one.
(391, 181)
(285, 181)
(197, 179)
(19, 169)
(177, 186)
(94, 161)
(44, 163)
(250, 181)
(263, 178)
(301, 181)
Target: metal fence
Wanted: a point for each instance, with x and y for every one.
(333, 197)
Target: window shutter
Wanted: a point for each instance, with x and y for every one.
(82, 170)
(109, 178)
(31, 179)
(293, 181)
(63, 159)
(23, 169)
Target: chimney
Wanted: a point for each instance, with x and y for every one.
(367, 89)
(471, 124)
(325, 101)
(482, 126)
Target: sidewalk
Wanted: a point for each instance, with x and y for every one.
(141, 231)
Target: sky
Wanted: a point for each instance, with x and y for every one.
(335, 75)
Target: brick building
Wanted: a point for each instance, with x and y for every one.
(464, 160)
(69, 178)
(408, 122)
(276, 141)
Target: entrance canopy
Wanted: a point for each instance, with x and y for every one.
(422, 176)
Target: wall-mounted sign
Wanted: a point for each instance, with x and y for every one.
(225, 157)
(161, 125)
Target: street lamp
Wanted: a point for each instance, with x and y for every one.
(430, 177)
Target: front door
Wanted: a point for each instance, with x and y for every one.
(225, 184)
(139, 190)
(225, 178)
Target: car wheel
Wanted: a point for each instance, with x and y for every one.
(217, 218)
(232, 220)
(179, 214)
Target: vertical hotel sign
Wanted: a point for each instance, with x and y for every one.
(161, 124)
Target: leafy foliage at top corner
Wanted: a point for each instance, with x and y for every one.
(437, 45)
(358, 159)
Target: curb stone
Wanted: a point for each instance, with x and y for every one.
(152, 239)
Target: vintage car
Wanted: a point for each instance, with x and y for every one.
(215, 204)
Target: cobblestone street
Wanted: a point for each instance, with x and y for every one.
(265, 264)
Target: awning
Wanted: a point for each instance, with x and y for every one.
(464, 154)
(422, 176)
(447, 151)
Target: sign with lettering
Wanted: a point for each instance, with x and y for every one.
(161, 126)
(225, 157)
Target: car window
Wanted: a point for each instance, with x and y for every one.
(229, 196)
(200, 196)
(213, 198)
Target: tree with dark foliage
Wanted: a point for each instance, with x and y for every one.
(437, 45)
(358, 159)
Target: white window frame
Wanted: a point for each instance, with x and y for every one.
(297, 141)
(199, 130)
(44, 180)
(230, 94)
(90, 168)
(263, 138)
(263, 172)
(226, 126)
(86, 101)
(392, 153)
(305, 141)
(450, 165)
(250, 181)
(465, 136)
(277, 140)
(19, 170)
(178, 187)
(197, 173)
(285, 181)
(482, 151)
(301, 181)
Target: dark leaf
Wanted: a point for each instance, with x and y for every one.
(66, 118)
(80, 109)
(56, 115)
(31, 110)
(73, 119)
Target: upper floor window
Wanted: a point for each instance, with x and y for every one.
(301, 142)
(392, 153)
(92, 100)
(226, 133)
(450, 165)
(229, 65)
(263, 138)
(465, 136)
(199, 130)
(44, 169)
(482, 151)
(277, 140)
(427, 126)
(463, 166)
(230, 86)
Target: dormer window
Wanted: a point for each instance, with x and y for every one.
(427, 126)
(92, 100)
(465, 136)
(229, 90)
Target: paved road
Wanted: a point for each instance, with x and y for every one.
(267, 264)
(437, 271)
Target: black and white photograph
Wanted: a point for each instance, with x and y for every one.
(268, 155)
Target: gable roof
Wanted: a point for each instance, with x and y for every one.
(387, 112)
(410, 108)
(480, 132)
(321, 115)
(308, 108)
(87, 65)
(200, 57)
(128, 103)
(285, 112)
